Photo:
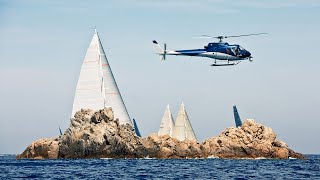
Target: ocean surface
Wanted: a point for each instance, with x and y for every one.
(160, 169)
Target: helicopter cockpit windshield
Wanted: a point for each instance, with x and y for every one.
(241, 48)
(238, 50)
(234, 49)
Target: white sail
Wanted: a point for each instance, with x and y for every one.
(167, 124)
(189, 130)
(183, 129)
(97, 88)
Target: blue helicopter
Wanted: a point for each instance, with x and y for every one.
(228, 54)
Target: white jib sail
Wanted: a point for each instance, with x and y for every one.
(183, 129)
(167, 124)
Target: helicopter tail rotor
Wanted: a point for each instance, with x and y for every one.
(161, 52)
(164, 51)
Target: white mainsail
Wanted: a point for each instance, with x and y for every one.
(167, 124)
(183, 129)
(97, 88)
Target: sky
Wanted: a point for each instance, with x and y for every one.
(43, 43)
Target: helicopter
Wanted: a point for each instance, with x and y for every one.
(226, 54)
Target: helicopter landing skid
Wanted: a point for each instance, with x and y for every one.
(232, 64)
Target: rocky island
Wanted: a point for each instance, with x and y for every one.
(97, 134)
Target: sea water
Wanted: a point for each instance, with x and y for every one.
(214, 168)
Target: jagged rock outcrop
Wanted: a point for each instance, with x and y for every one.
(251, 140)
(96, 134)
(167, 147)
(44, 148)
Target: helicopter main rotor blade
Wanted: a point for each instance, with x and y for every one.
(242, 35)
(224, 37)
(204, 37)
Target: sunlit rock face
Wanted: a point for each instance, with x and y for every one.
(45, 148)
(251, 140)
(97, 134)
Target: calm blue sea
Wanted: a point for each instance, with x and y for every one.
(160, 169)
